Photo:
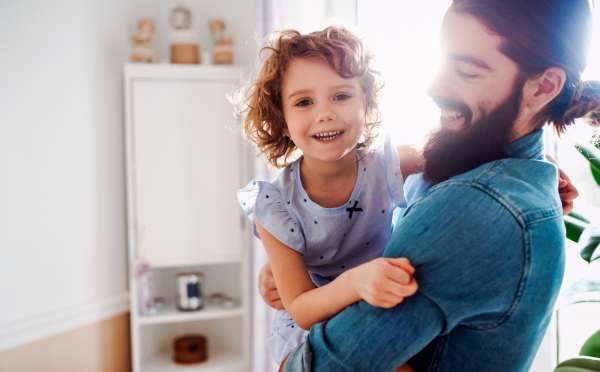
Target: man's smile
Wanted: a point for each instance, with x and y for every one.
(452, 119)
(451, 115)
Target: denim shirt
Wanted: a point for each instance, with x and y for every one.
(488, 249)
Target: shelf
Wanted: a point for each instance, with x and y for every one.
(194, 261)
(232, 73)
(218, 361)
(172, 315)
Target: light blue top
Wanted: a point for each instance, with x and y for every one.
(488, 250)
(331, 240)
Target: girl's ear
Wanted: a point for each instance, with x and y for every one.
(286, 132)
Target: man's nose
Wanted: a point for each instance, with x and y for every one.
(326, 115)
(439, 87)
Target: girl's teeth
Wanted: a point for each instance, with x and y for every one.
(328, 136)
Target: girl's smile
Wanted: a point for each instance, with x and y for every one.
(328, 136)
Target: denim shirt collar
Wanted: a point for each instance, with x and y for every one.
(530, 146)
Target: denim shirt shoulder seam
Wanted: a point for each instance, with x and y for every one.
(522, 222)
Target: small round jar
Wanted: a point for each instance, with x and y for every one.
(189, 291)
(184, 47)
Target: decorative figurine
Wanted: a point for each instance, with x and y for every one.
(184, 41)
(141, 47)
(223, 52)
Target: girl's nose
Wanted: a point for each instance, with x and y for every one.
(325, 116)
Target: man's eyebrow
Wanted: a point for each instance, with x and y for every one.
(472, 60)
(301, 91)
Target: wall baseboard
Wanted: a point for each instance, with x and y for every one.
(37, 327)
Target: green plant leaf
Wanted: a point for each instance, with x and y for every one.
(575, 227)
(579, 216)
(589, 241)
(592, 154)
(591, 347)
(596, 174)
(580, 364)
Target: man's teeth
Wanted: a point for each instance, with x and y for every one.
(451, 115)
(328, 136)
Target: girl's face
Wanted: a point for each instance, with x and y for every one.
(324, 112)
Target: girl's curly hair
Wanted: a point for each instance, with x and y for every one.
(259, 102)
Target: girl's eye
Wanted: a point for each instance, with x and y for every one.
(462, 74)
(303, 103)
(341, 97)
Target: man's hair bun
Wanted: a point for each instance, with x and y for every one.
(584, 104)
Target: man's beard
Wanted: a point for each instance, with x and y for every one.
(449, 153)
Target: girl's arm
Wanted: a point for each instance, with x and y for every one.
(383, 282)
(411, 161)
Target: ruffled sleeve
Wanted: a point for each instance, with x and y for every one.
(266, 201)
(393, 173)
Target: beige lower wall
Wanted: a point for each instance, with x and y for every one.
(100, 347)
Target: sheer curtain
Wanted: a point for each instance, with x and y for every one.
(305, 16)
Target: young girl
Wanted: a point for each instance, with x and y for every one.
(328, 216)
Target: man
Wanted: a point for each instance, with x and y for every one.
(487, 238)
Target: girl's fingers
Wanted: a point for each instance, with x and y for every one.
(569, 195)
(385, 304)
(395, 289)
(277, 305)
(272, 295)
(398, 275)
(402, 263)
(562, 183)
(567, 207)
(407, 290)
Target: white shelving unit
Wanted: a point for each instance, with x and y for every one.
(184, 165)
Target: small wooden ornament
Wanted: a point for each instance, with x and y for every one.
(190, 349)
(224, 51)
(141, 46)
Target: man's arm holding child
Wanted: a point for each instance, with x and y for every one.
(432, 235)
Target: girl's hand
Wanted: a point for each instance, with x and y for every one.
(567, 192)
(268, 288)
(384, 282)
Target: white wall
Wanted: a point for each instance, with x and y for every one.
(62, 187)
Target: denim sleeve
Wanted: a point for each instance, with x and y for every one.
(367, 338)
(467, 249)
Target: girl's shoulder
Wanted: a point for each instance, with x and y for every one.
(271, 203)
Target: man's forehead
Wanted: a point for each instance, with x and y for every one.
(464, 35)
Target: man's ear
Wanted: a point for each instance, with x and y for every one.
(539, 91)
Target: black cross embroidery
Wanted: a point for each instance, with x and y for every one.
(353, 209)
